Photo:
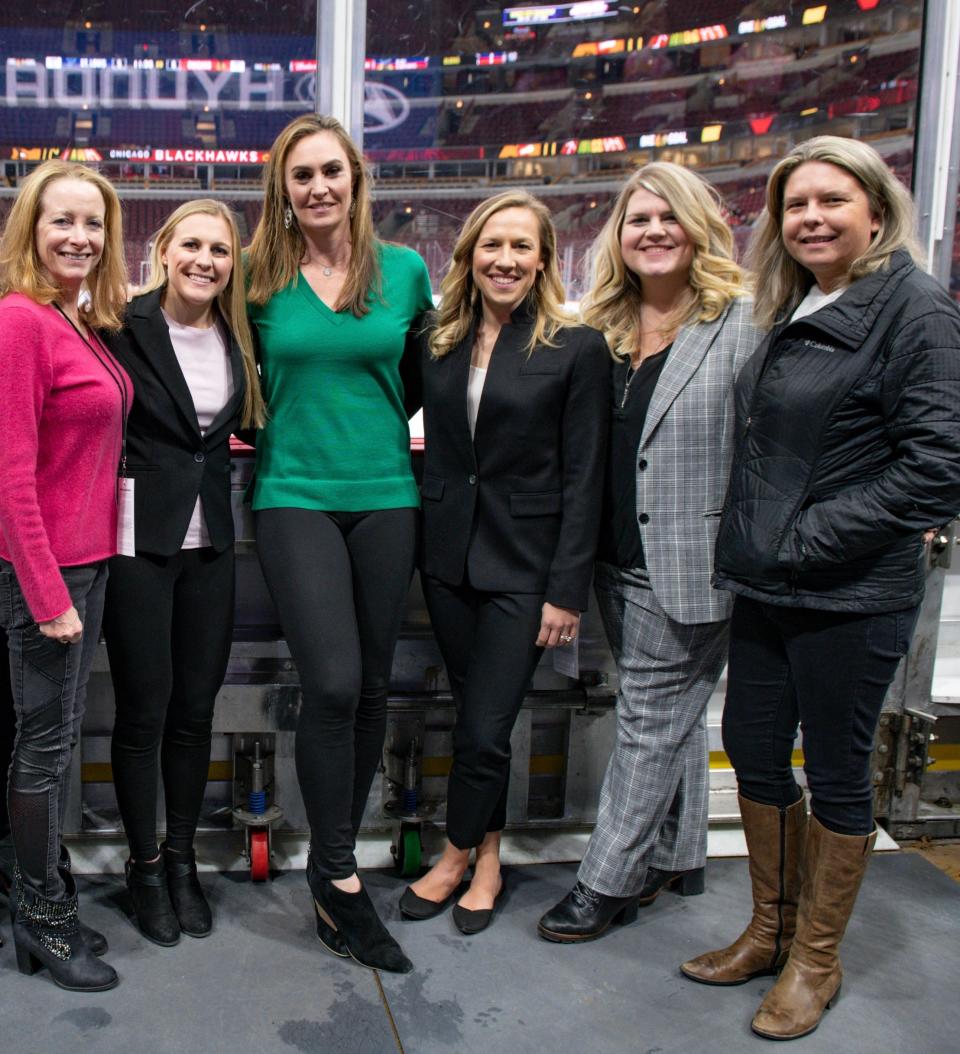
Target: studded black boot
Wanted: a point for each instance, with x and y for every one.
(47, 933)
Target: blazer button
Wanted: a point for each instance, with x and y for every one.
(643, 518)
(472, 480)
(199, 457)
(642, 464)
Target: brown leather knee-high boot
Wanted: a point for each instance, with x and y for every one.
(833, 871)
(775, 841)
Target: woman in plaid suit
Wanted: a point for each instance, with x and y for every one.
(670, 300)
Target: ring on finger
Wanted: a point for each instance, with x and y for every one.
(565, 638)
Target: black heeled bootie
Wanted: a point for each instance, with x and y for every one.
(47, 933)
(93, 939)
(326, 934)
(186, 896)
(686, 883)
(584, 914)
(355, 919)
(156, 919)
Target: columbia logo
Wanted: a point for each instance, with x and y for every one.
(816, 344)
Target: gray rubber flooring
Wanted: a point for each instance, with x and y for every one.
(262, 983)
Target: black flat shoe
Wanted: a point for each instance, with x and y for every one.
(419, 908)
(469, 922)
(686, 883)
(584, 914)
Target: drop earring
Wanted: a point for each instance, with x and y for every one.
(353, 209)
(287, 217)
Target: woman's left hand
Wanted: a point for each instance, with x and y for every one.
(557, 626)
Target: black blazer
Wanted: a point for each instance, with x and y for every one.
(518, 508)
(166, 454)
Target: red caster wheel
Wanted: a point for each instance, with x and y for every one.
(259, 856)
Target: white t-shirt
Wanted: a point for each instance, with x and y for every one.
(204, 358)
(478, 376)
(815, 299)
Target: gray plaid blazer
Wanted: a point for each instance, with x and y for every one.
(683, 462)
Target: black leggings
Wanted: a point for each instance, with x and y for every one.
(168, 623)
(339, 581)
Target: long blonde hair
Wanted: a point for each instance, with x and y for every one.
(20, 267)
(460, 298)
(276, 251)
(782, 281)
(231, 301)
(613, 301)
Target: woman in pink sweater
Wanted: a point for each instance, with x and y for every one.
(62, 435)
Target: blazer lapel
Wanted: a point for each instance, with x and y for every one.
(456, 373)
(153, 337)
(502, 370)
(234, 404)
(689, 348)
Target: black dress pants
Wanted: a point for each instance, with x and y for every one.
(488, 644)
(340, 582)
(826, 672)
(168, 623)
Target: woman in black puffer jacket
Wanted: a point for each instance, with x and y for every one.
(848, 449)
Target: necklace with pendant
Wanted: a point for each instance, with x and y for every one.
(326, 271)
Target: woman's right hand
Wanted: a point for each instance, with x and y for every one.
(66, 628)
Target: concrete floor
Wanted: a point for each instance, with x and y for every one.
(262, 983)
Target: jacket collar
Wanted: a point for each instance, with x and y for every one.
(851, 317)
(146, 322)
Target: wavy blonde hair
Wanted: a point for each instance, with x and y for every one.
(782, 281)
(21, 270)
(460, 301)
(613, 301)
(231, 301)
(275, 253)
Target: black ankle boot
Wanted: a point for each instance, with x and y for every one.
(189, 903)
(584, 914)
(156, 920)
(47, 933)
(686, 883)
(326, 935)
(355, 919)
(93, 939)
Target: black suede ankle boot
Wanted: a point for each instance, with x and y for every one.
(47, 933)
(355, 919)
(147, 882)
(187, 897)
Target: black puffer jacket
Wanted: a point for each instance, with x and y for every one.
(848, 447)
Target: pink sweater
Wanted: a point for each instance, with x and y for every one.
(60, 433)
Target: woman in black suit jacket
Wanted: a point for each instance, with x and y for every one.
(168, 622)
(511, 507)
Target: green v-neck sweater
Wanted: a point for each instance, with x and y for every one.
(337, 435)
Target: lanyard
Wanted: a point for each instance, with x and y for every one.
(116, 373)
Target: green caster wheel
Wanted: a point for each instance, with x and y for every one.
(409, 851)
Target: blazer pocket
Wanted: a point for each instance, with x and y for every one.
(432, 488)
(546, 503)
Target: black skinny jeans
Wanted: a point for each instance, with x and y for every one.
(488, 643)
(826, 672)
(168, 623)
(49, 684)
(340, 582)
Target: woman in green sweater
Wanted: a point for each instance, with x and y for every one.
(334, 497)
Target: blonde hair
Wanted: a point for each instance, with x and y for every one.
(782, 281)
(276, 251)
(615, 295)
(20, 268)
(460, 299)
(231, 301)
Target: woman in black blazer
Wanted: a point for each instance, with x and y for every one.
(511, 507)
(168, 622)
